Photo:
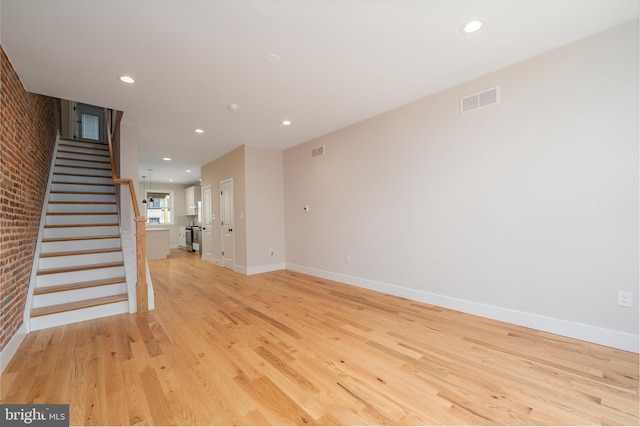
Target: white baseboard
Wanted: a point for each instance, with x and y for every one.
(265, 268)
(216, 261)
(594, 334)
(12, 346)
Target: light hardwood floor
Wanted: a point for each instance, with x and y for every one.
(285, 348)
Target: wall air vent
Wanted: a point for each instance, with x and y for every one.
(319, 151)
(479, 100)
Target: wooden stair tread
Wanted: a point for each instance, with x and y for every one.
(104, 193)
(89, 141)
(104, 184)
(77, 305)
(67, 150)
(74, 268)
(80, 167)
(80, 225)
(79, 285)
(82, 160)
(68, 147)
(73, 202)
(82, 213)
(82, 174)
(82, 252)
(67, 239)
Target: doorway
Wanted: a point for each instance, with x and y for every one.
(226, 222)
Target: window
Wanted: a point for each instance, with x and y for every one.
(90, 127)
(159, 207)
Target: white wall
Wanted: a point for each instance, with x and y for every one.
(231, 165)
(526, 211)
(258, 207)
(265, 209)
(128, 170)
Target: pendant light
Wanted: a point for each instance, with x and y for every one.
(144, 199)
(150, 196)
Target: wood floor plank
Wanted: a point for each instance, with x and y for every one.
(291, 349)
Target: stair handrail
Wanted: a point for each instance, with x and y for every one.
(141, 250)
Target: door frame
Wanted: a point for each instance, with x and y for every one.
(233, 235)
(208, 257)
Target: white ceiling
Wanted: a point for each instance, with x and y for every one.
(341, 61)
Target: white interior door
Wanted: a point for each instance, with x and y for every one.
(207, 225)
(226, 222)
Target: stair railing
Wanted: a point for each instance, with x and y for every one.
(141, 250)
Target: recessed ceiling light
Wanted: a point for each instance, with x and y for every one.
(472, 26)
(199, 131)
(170, 180)
(188, 170)
(273, 58)
(127, 79)
(234, 107)
(166, 158)
(286, 122)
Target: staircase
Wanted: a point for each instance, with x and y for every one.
(80, 269)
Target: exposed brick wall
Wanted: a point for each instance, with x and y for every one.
(28, 125)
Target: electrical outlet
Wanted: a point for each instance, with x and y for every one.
(347, 259)
(624, 299)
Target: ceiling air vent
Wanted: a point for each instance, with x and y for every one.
(479, 100)
(319, 151)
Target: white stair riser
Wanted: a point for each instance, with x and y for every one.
(86, 171)
(108, 230)
(83, 149)
(108, 188)
(70, 207)
(80, 245)
(78, 276)
(67, 317)
(106, 180)
(55, 298)
(81, 219)
(75, 197)
(79, 260)
(76, 143)
(84, 156)
(83, 163)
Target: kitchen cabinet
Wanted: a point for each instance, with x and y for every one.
(157, 240)
(192, 196)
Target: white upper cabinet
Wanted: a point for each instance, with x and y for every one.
(192, 195)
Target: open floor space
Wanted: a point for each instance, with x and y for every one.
(284, 348)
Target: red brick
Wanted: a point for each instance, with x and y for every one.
(28, 126)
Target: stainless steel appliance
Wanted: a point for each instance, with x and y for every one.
(189, 239)
(195, 243)
(193, 234)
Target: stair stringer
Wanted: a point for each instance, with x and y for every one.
(36, 253)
